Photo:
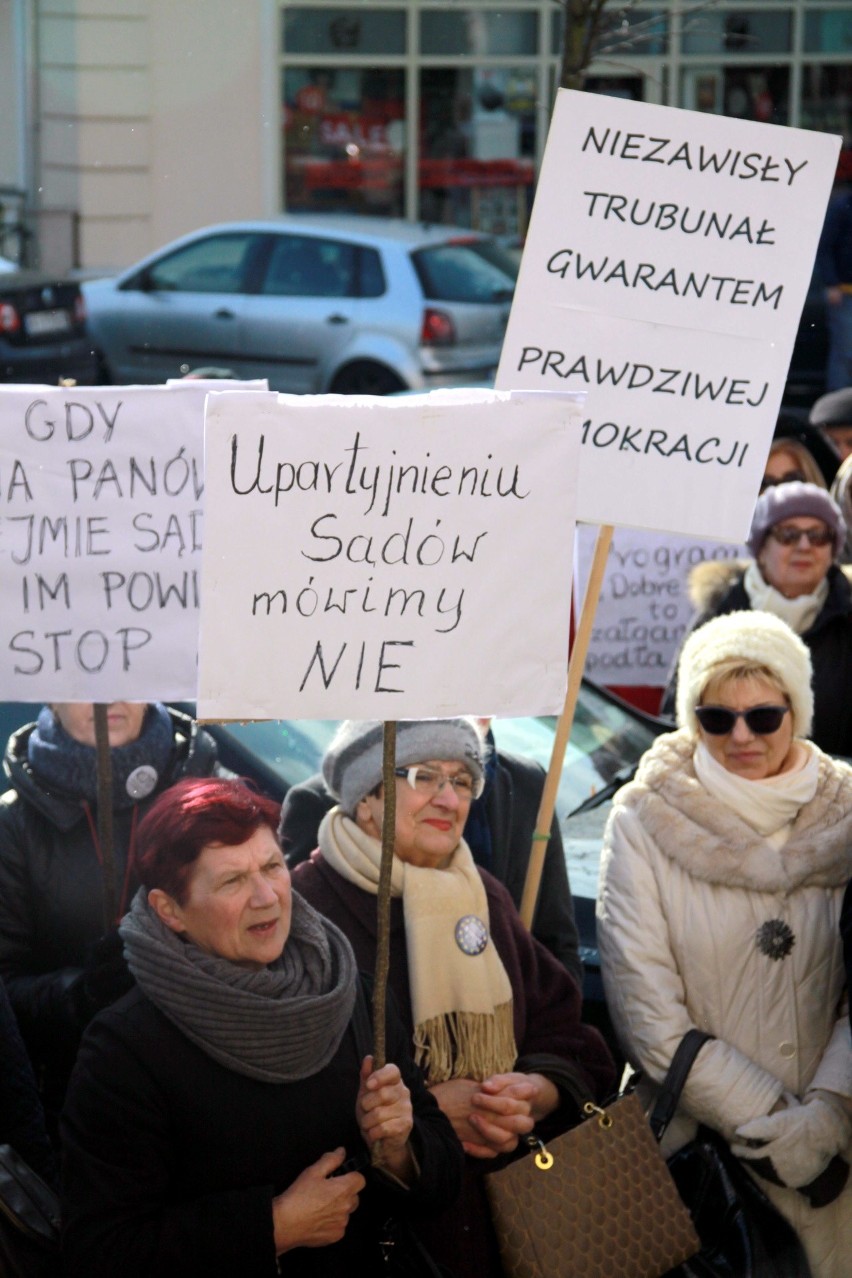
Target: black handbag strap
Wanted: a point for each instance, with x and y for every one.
(678, 1072)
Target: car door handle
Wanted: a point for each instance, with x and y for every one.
(337, 319)
(224, 313)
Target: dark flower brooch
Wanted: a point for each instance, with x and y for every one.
(775, 939)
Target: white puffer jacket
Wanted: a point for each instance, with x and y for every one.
(703, 923)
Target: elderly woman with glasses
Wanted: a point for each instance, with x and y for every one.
(797, 535)
(722, 882)
(494, 1018)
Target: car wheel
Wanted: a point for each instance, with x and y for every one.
(366, 378)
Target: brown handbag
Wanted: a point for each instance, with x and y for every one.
(596, 1202)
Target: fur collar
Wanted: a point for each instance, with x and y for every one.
(713, 844)
(710, 581)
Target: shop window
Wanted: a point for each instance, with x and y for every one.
(625, 32)
(355, 30)
(743, 31)
(477, 147)
(828, 31)
(744, 93)
(482, 33)
(827, 98)
(344, 139)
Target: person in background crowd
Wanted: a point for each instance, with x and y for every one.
(841, 491)
(833, 415)
(499, 833)
(59, 956)
(796, 535)
(789, 462)
(494, 1019)
(834, 268)
(725, 863)
(21, 1114)
(212, 1109)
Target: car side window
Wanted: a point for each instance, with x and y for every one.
(372, 277)
(302, 266)
(216, 264)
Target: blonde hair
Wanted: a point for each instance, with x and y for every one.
(804, 459)
(733, 669)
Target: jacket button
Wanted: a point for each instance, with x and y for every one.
(787, 1050)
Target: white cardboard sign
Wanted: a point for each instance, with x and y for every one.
(644, 608)
(664, 273)
(100, 542)
(387, 558)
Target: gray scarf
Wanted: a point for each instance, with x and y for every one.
(280, 1024)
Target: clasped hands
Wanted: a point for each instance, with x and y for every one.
(314, 1211)
(490, 1117)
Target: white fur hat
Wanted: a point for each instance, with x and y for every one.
(752, 636)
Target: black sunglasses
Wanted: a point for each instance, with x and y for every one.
(790, 536)
(788, 477)
(718, 721)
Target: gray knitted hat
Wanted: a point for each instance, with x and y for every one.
(786, 501)
(750, 636)
(352, 765)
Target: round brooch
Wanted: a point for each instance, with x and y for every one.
(142, 781)
(775, 939)
(471, 935)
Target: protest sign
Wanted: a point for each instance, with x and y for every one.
(392, 558)
(100, 540)
(644, 608)
(665, 269)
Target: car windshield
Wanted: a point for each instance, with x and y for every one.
(466, 270)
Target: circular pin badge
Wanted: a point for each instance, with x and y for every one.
(142, 781)
(471, 935)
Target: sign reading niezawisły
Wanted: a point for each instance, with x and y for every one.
(386, 558)
(664, 273)
(101, 492)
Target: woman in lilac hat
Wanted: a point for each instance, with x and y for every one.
(797, 536)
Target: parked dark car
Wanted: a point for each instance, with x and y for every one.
(43, 334)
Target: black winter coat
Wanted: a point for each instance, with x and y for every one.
(171, 1160)
(51, 893)
(829, 642)
(511, 803)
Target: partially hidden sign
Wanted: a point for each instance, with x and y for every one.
(667, 261)
(387, 558)
(101, 499)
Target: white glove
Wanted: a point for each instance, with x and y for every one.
(793, 1146)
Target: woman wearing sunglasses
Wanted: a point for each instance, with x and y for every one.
(494, 1018)
(722, 882)
(797, 535)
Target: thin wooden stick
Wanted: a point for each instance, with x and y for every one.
(384, 897)
(576, 666)
(105, 829)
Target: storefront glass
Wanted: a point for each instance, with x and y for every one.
(344, 139)
(482, 33)
(744, 93)
(477, 147)
(745, 32)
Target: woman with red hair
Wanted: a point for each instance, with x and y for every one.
(221, 1114)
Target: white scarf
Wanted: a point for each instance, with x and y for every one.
(769, 806)
(461, 1002)
(799, 613)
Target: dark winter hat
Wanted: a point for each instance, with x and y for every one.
(352, 765)
(786, 501)
(834, 409)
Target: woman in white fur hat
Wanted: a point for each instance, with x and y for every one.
(723, 875)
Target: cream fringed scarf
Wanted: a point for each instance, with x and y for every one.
(461, 1003)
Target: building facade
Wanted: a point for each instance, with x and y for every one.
(132, 121)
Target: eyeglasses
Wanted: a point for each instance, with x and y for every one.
(792, 536)
(718, 721)
(429, 781)
(789, 477)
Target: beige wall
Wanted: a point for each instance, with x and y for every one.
(157, 116)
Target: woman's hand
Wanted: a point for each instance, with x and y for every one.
(489, 1118)
(384, 1113)
(315, 1210)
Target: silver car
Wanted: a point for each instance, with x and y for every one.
(314, 303)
